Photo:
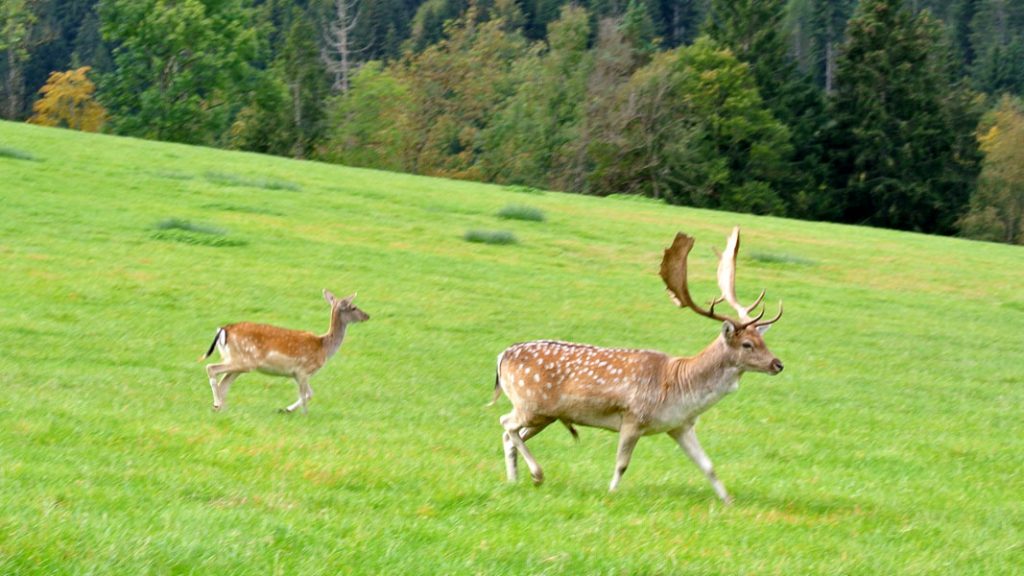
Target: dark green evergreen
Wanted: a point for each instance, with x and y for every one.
(892, 144)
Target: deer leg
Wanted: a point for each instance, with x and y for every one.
(628, 437)
(531, 431)
(220, 393)
(212, 372)
(512, 428)
(511, 458)
(687, 439)
(305, 392)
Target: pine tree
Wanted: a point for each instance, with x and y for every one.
(894, 140)
(753, 30)
(16, 20)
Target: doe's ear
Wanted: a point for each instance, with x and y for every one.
(728, 329)
(329, 296)
(348, 299)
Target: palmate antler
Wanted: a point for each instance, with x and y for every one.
(673, 272)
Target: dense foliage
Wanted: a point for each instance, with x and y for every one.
(866, 111)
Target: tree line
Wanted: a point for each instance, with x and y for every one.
(895, 113)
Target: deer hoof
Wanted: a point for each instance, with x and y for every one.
(284, 411)
(216, 408)
(538, 478)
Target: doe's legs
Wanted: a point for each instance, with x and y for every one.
(305, 393)
(221, 391)
(213, 371)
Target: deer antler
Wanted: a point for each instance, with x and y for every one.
(727, 283)
(673, 272)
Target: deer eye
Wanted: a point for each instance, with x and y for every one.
(748, 345)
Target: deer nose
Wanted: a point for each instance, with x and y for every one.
(776, 366)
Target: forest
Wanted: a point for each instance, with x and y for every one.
(902, 114)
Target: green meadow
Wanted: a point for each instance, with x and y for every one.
(893, 443)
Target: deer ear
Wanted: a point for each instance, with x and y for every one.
(329, 297)
(728, 329)
(763, 328)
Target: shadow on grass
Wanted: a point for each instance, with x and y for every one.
(15, 154)
(241, 209)
(228, 179)
(499, 237)
(187, 232)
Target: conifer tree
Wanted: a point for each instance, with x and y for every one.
(753, 30)
(893, 140)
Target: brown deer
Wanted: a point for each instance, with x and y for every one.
(245, 347)
(636, 392)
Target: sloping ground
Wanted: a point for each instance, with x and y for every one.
(892, 443)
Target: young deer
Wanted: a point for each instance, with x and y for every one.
(245, 347)
(636, 392)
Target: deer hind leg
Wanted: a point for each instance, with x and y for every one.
(511, 455)
(628, 437)
(687, 439)
(514, 443)
(213, 371)
(222, 389)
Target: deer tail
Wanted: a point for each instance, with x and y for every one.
(220, 336)
(497, 382)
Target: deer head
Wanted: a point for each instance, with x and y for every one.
(742, 335)
(343, 311)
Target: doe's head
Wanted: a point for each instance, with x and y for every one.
(344, 309)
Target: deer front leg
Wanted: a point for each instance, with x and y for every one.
(628, 437)
(305, 393)
(686, 437)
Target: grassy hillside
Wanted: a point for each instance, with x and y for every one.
(892, 443)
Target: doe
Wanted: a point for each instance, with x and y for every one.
(245, 347)
(635, 392)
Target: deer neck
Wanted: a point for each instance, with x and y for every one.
(708, 376)
(335, 335)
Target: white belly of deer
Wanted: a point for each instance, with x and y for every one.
(277, 364)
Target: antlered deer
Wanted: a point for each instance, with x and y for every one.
(245, 347)
(636, 392)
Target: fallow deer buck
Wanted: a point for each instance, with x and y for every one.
(245, 347)
(636, 392)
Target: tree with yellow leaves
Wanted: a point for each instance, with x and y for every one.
(997, 206)
(67, 102)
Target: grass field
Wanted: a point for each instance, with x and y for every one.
(892, 444)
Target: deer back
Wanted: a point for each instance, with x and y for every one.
(582, 384)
